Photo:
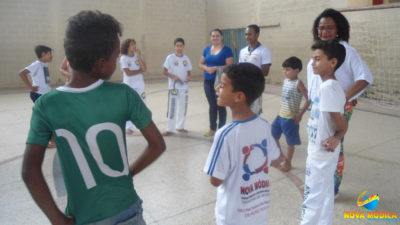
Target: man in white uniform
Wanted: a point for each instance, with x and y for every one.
(257, 54)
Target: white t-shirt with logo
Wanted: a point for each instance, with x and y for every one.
(131, 63)
(240, 156)
(39, 72)
(330, 98)
(352, 70)
(178, 66)
(259, 56)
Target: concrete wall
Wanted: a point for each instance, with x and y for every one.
(156, 23)
(153, 24)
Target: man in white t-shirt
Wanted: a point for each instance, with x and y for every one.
(177, 67)
(39, 72)
(326, 127)
(257, 54)
(242, 151)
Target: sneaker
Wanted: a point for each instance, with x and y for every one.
(209, 133)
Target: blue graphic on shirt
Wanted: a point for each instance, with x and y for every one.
(247, 150)
(312, 125)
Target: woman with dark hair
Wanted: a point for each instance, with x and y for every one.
(353, 75)
(214, 58)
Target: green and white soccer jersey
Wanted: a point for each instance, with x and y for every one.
(88, 125)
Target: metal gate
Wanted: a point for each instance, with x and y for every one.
(235, 39)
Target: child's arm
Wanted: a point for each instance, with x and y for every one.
(154, 149)
(340, 124)
(188, 78)
(64, 70)
(142, 65)
(215, 181)
(301, 88)
(34, 180)
(172, 76)
(142, 69)
(24, 76)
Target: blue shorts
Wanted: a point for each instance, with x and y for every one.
(288, 128)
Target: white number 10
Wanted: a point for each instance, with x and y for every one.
(91, 136)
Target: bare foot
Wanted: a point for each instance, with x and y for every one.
(277, 162)
(129, 132)
(286, 167)
(167, 133)
(182, 131)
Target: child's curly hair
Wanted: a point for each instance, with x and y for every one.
(125, 45)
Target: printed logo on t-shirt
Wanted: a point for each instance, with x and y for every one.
(129, 64)
(137, 62)
(312, 125)
(176, 63)
(256, 192)
(184, 63)
(46, 75)
(247, 151)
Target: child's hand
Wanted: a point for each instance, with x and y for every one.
(187, 79)
(138, 52)
(331, 143)
(34, 88)
(297, 118)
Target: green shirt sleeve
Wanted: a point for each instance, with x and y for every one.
(40, 130)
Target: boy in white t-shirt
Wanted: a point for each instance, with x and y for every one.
(242, 151)
(39, 72)
(132, 66)
(177, 67)
(326, 127)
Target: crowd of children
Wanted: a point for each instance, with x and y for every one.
(242, 151)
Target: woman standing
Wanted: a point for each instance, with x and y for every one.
(214, 58)
(353, 75)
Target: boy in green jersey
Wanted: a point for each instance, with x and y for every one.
(87, 118)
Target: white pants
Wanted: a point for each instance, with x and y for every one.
(256, 106)
(318, 202)
(177, 108)
(140, 90)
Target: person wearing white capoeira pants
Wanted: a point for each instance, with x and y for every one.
(132, 67)
(177, 67)
(257, 54)
(326, 127)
